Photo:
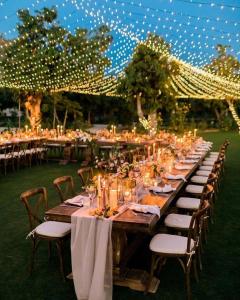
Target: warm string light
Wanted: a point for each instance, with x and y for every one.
(182, 30)
(234, 114)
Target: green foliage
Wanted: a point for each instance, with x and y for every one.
(148, 75)
(46, 56)
(224, 65)
(178, 116)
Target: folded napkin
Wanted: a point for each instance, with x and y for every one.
(183, 167)
(188, 161)
(174, 177)
(194, 156)
(166, 189)
(152, 209)
(204, 147)
(79, 200)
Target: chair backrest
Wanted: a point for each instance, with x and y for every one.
(212, 178)
(9, 150)
(65, 187)
(196, 224)
(85, 174)
(35, 201)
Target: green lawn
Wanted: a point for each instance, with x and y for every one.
(220, 278)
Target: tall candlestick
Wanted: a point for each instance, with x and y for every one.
(148, 152)
(154, 148)
(158, 154)
(98, 190)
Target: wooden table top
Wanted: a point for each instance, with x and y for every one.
(129, 220)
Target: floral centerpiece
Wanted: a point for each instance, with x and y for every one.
(158, 170)
(105, 212)
(124, 169)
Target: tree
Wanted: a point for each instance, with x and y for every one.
(146, 79)
(46, 57)
(227, 66)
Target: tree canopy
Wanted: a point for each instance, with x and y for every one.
(45, 56)
(147, 79)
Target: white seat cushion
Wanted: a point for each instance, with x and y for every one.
(213, 155)
(206, 168)
(53, 229)
(194, 189)
(169, 244)
(210, 159)
(208, 163)
(203, 173)
(178, 221)
(188, 203)
(199, 179)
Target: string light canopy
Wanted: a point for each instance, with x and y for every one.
(193, 28)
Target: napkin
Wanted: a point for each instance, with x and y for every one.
(166, 189)
(152, 209)
(194, 156)
(188, 161)
(183, 167)
(79, 200)
(178, 176)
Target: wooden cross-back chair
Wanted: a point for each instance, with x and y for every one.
(164, 246)
(85, 174)
(8, 157)
(65, 187)
(35, 201)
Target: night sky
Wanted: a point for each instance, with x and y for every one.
(193, 27)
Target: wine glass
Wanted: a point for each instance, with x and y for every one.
(92, 193)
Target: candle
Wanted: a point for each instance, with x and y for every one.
(58, 130)
(158, 154)
(148, 153)
(127, 196)
(26, 128)
(154, 146)
(113, 198)
(99, 190)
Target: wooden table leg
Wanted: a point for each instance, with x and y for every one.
(122, 252)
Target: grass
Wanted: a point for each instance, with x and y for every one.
(221, 260)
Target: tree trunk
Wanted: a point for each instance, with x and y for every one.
(152, 119)
(65, 118)
(89, 118)
(19, 113)
(33, 107)
(139, 107)
(54, 115)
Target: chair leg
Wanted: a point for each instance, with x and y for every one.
(60, 254)
(187, 281)
(34, 246)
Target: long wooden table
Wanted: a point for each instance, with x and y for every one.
(131, 222)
